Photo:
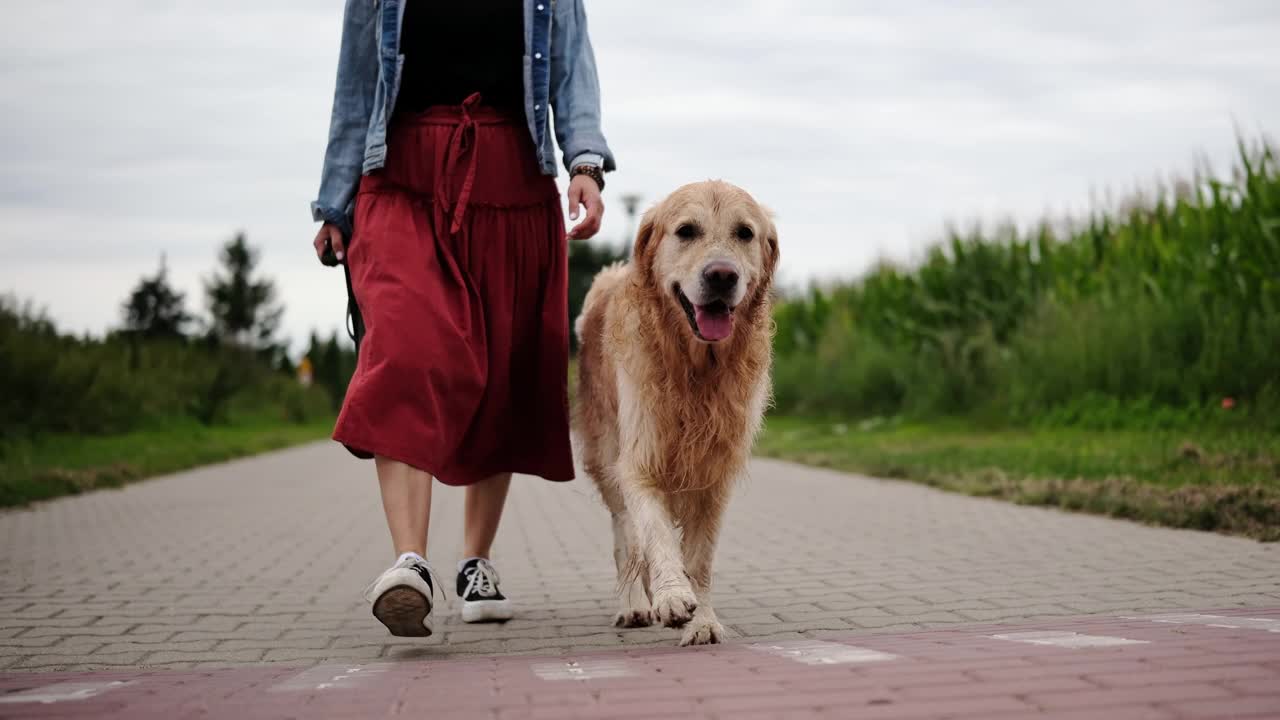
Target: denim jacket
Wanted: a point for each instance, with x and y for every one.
(559, 71)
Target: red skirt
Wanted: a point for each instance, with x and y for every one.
(459, 267)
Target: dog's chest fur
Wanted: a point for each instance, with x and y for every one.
(711, 401)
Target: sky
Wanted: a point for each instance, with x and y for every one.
(138, 128)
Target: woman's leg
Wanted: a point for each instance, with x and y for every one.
(482, 601)
(484, 503)
(401, 596)
(406, 499)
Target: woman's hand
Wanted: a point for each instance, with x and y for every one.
(331, 235)
(584, 191)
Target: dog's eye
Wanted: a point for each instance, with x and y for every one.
(688, 231)
(744, 233)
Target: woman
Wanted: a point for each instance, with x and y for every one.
(438, 194)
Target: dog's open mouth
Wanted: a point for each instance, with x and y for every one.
(711, 322)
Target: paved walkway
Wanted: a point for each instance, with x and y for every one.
(1183, 666)
(263, 560)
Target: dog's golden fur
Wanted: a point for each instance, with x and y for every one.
(666, 420)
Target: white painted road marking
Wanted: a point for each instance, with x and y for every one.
(583, 670)
(330, 677)
(62, 692)
(1064, 639)
(1222, 621)
(820, 652)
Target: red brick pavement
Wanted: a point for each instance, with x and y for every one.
(1186, 666)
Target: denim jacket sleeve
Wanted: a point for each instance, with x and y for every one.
(575, 89)
(353, 99)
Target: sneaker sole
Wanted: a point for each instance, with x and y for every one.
(479, 611)
(404, 611)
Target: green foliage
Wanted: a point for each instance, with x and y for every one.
(585, 260)
(82, 412)
(55, 383)
(1150, 314)
(333, 362)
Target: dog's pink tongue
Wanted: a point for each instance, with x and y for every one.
(713, 325)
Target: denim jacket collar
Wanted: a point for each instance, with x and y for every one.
(562, 90)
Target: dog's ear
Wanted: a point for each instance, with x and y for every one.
(645, 235)
(765, 288)
(771, 247)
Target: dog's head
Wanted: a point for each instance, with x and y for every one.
(709, 249)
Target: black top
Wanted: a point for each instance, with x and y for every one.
(454, 49)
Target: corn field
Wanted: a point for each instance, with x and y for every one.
(1163, 311)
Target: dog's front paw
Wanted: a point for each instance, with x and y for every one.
(633, 618)
(674, 607)
(702, 632)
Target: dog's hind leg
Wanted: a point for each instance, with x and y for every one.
(700, 537)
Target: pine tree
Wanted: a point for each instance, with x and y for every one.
(242, 306)
(154, 309)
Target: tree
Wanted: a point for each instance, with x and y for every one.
(332, 361)
(585, 260)
(242, 306)
(154, 309)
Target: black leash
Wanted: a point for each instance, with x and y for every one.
(354, 323)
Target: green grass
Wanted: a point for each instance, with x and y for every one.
(1221, 480)
(65, 464)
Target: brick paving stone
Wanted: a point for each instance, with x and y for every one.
(150, 622)
(33, 641)
(25, 623)
(862, 554)
(1047, 684)
(50, 660)
(1109, 712)
(1238, 707)
(1259, 684)
(1029, 670)
(261, 634)
(928, 679)
(1242, 678)
(1123, 696)
(247, 655)
(97, 581)
(188, 646)
(76, 646)
(292, 654)
(86, 632)
(319, 642)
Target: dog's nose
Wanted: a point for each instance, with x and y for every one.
(720, 277)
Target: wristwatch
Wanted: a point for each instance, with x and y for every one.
(592, 171)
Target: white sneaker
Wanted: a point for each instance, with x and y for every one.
(401, 598)
(482, 601)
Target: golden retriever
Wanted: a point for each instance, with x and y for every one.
(673, 379)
